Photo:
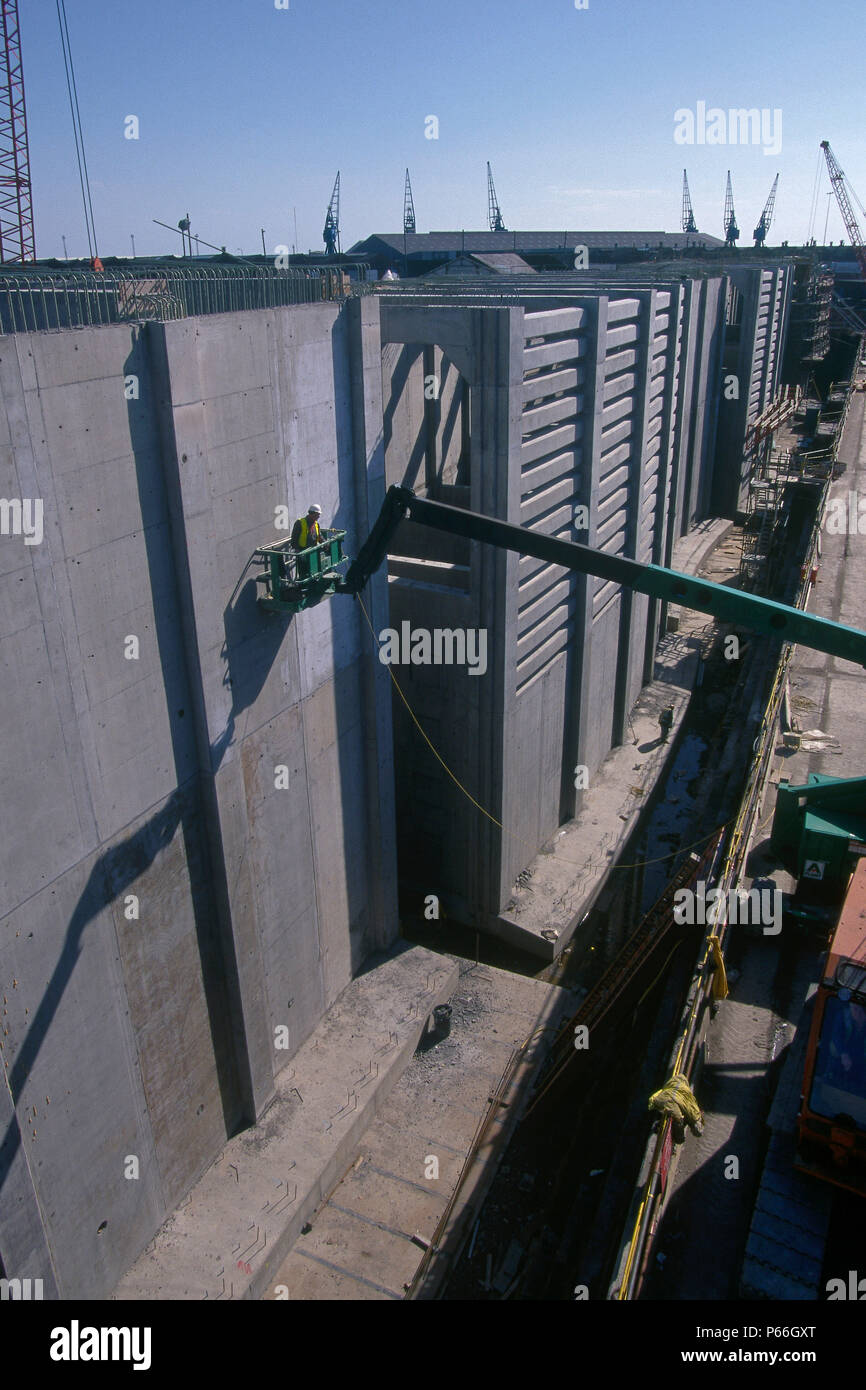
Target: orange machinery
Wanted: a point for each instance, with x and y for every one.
(831, 1126)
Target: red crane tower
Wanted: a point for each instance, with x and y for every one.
(17, 241)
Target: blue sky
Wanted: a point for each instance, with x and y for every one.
(246, 112)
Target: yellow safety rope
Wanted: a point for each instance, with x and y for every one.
(677, 1100)
(720, 978)
(477, 804)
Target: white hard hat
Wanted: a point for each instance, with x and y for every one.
(315, 508)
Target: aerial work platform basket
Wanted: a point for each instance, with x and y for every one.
(296, 579)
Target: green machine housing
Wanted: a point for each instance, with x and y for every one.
(819, 828)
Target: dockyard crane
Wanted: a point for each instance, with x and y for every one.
(760, 232)
(494, 214)
(837, 179)
(688, 215)
(732, 231)
(331, 232)
(408, 208)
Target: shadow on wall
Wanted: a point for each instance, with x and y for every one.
(351, 680)
(113, 873)
(426, 459)
(250, 649)
(252, 643)
(400, 376)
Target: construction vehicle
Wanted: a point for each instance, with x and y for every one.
(819, 831)
(831, 1126)
(286, 590)
(818, 828)
(817, 1120)
(287, 594)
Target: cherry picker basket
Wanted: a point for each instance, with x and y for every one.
(296, 579)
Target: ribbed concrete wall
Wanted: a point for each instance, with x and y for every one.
(606, 400)
(438, 581)
(165, 906)
(555, 463)
(754, 352)
(597, 431)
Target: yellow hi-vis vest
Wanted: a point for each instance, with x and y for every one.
(305, 531)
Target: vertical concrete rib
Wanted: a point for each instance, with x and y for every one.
(597, 314)
(365, 357)
(629, 608)
(665, 497)
(243, 973)
(495, 490)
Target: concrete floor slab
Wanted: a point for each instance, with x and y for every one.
(382, 1141)
(389, 1204)
(311, 1280)
(394, 1202)
(386, 1258)
(230, 1234)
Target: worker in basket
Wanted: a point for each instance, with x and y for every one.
(307, 532)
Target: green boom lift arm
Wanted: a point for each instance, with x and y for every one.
(729, 605)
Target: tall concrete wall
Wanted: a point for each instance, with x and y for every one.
(197, 843)
(166, 903)
(443, 582)
(601, 399)
(753, 358)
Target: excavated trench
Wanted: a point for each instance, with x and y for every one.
(554, 1212)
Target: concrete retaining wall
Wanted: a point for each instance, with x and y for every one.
(603, 399)
(198, 838)
(752, 366)
(166, 903)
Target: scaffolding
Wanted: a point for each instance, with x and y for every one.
(810, 314)
(764, 521)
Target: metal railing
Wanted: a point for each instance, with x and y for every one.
(293, 579)
(31, 301)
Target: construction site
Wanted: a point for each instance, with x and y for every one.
(335, 872)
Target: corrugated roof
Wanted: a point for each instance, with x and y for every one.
(419, 243)
(498, 262)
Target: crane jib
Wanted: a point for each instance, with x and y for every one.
(762, 615)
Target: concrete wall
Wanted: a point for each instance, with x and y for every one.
(166, 903)
(165, 906)
(753, 357)
(579, 396)
(440, 581)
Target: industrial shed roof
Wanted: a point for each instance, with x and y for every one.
(493, 263)
(421, 243)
